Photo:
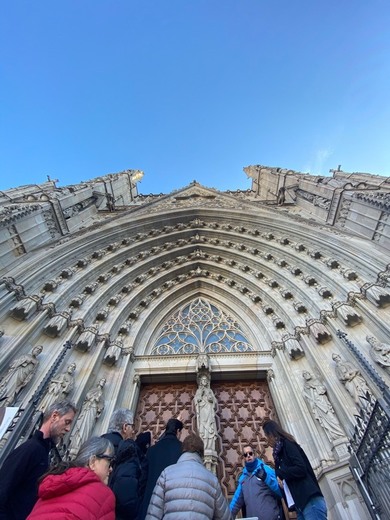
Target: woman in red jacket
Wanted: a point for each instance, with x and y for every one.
(78, 490)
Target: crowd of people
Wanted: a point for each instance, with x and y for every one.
(122, 476)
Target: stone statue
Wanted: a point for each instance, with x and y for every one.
(205, 405)
(59, 388)
(315, 394)
(281, 197)
(380, 352)
(353, 381)
(19, 374)
(90, 412)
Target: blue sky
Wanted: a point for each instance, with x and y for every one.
(192, 89)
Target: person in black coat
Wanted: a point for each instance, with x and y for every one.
(120, 427)
(293, 467)
(25, 465)
(164, 453)
(127, 481)
(143, 441)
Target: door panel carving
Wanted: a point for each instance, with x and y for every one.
(160, 402)
(242, 409)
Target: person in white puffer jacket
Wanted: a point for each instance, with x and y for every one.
(187, 490)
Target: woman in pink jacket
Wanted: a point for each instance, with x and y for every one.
(78, 490)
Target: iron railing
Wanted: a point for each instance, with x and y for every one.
(370, 443)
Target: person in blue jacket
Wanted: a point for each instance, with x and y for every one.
(258, 492)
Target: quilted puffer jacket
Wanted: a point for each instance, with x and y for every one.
(188, 490)
(78, 493)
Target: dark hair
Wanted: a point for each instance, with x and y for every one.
(273, 429)
(173, 425)
(194, 444)
(143, 441)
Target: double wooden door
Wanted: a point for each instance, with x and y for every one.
(242, 408)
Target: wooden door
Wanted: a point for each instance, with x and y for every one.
(242, 408)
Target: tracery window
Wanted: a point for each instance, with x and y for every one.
(200, 327)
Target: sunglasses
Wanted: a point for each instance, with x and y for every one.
(247, 454)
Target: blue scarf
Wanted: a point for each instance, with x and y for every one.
(251, 466)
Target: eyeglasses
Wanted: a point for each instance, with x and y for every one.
(110, 458)
(247, 454)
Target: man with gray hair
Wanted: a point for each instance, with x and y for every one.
(24, 466)
(128, 479)
(120, 427)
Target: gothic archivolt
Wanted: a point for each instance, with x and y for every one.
(289, 285)
(108, 268)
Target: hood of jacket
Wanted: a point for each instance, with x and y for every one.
(127, 450)
(71, 479)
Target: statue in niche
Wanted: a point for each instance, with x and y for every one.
(19, 374)
(90, 412)
(59, 388)
(380, 352)
(281, 197)
(353, 381)
(205, 406)
(315, 394)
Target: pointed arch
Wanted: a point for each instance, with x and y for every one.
(200, 326)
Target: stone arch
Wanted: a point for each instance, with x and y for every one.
(250, 319)
(198, 327)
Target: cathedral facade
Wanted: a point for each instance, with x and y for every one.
(277, 298)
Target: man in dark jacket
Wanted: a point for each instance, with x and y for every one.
(164, 453)
(120, 427)
(23, 467)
